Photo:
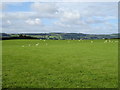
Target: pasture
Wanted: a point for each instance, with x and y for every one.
(60, 63)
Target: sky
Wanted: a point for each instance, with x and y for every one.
(64, 17)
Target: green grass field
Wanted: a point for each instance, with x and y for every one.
(60, 64)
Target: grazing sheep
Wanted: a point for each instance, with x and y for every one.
(109, 41)
(91, 41)
(105, 41)
(23, 46)
(37, 44)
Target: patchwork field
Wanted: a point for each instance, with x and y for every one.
(60, 63)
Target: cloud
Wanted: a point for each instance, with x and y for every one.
(8, 22)
(93, 20)
(61, 24)
(60, 1)
(65, 17)
(70, 16)
(1, 6)
(19, 15)
(36, 21)
(45, 9)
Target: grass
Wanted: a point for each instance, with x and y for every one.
(0, 64)
(60, 64)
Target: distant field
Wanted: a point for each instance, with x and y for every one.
(60, 64)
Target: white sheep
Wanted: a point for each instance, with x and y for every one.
(23, 46)
(91, 41)
(37, 44)
(105, 41)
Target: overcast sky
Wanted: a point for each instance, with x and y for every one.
(75, 17)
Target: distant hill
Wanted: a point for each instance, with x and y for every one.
(58, 36)
(4, 35)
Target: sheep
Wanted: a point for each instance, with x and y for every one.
(91, 41)
(105, 41)
(23, 46)
(37, 44)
